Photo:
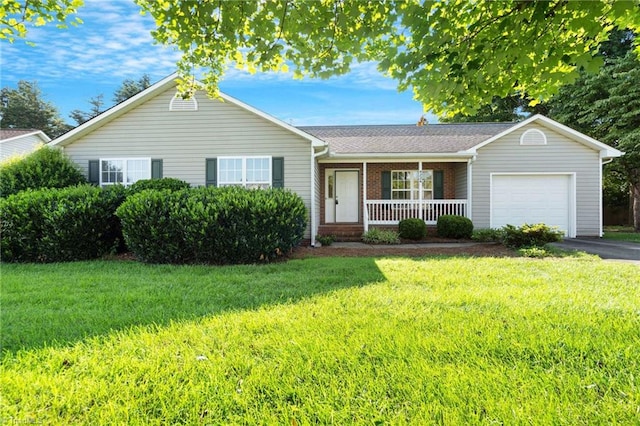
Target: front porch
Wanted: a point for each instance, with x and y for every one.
(357, 195)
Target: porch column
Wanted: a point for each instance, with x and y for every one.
(365, 211)
(420, 191)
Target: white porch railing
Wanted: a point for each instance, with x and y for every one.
(391, 212)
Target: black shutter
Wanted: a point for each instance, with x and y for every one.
(277, 172)
(212, 172)
(438, 184)
(156, 169)
(94, 172)
(386, 185)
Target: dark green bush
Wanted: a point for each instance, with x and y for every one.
(44, 168)
(212, 225)
(530, 235)
(381, 236)
(452, 226)
(52, 225)
(488, 235)
(170, 184)
(412, 229)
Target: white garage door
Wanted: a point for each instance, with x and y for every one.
(522, 198)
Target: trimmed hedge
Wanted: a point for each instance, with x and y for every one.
(412, 229)
(53, 225)
(452, 226)
(44, 168)
(169, 184)
(212, 225)
(527, 236)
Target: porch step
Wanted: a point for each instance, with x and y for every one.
(342, 232)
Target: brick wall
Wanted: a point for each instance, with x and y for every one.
(374, 178)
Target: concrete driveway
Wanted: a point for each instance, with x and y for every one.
(606, 249)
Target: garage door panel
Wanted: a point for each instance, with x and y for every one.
(519, 199)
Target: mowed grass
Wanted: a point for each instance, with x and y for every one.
(443, 340)
(622, 234)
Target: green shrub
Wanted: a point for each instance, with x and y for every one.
(212, 225)
(44, 168)
(412, 229)
(530, 235)
(325, 240)
(381, 236)
(170, 184)
(452, 226)
(488, 235)
(52, 225)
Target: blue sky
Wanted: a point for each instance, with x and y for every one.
(114, 43)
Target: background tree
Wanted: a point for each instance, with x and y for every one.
(24, 107)
(129, 88)
(606, 106)
(456, 55)
(97, 107)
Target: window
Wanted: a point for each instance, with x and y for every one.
(178, 103)
(533, 137)
(124, 171)
(405, 184)
(250, 172)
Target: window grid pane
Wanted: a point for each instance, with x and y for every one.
(137, 169)
(405, 184)
(258, 170)
(230, 171)
(112, 171)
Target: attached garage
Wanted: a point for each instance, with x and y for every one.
(519, 198)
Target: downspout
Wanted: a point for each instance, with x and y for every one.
(313, 229)
(601, 232)
(470, 187)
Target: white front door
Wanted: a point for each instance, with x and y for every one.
(347, 192)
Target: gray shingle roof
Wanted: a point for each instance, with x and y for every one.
(400, 139)
(12, 133)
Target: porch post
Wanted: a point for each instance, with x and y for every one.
(420, 191)
(365, 212)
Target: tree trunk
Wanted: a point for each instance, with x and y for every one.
(635, 201)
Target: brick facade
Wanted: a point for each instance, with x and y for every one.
(374, 179)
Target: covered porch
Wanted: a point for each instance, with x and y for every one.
(357, 195)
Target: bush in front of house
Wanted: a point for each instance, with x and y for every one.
(381, 236)
(527, 235)
(43, 168)
(212, 225)
(169, 184)
(488, 235)
(55, 225)
(452, 226)
(412, 229)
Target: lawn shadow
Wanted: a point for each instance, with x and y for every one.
(60, 304)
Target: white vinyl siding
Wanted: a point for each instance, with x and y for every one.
(559, 155)
(184, 140)
(461, 180)
(19, 146)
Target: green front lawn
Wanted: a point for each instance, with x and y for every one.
(443, 340)
(621, 233)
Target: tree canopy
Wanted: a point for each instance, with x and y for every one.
(455, 55)
(130, 87)
(15, 15)
(25, 108)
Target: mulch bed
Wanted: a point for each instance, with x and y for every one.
(485, 250)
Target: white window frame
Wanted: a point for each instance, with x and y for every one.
(244, 182)
(125, 170)
(417, 187)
